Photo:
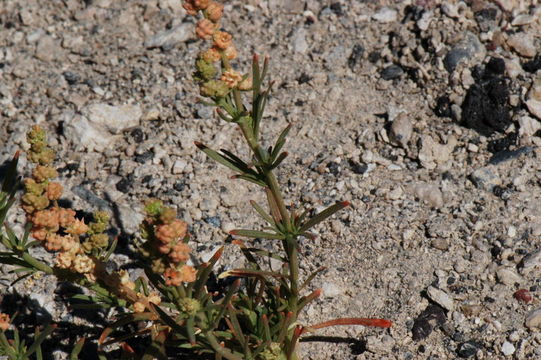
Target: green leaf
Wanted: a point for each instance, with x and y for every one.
(262, 212)
(311, 277)
(265, 253)
(217, 157)
(323, 215)
(224, 304)
(251, 179)
(203, 274)
(77, 349)
(250, 273)
(280, 142)
(256, 234)
(279, 160)
(39, 338)
(111, 249)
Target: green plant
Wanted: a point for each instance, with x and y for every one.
(257, 316)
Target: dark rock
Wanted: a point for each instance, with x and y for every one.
(433, 316)
(506, 155)
(533, 65)
(469, 48)
(374, 56)
(443, 107)
(123, 185)
(357, 168)
(144, 157)
(304, 78)
(392, 72)
(334, 168)
(337, 9)
(487, 18)
(486, 106)
(496, 66)
(137, 135)
(502, 192)
(468, 349)
(497, 145)
(89, 197)
(214, 221)
(356, 56)
(71, 77)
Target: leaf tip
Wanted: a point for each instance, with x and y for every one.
(345, 203)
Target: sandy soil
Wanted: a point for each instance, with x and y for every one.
(424, 115)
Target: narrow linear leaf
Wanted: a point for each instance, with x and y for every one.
(265, 253)
(311, 277)
(382, 323)
(111, 249)
(250, 273)
(251, 179)
(262, 212)
(204, 273)
(323, 215)
(225, 303)
(39, 339)
(279, 160)
(77, 349)
(237, 161)
(280, 141)
(256, 234)
(217, 157)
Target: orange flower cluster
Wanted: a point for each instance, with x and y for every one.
(57, 228)
(222, 48)
(166, 238)
(4, 321)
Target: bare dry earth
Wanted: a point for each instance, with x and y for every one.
(442, 213)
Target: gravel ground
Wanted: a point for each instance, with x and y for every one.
(425, 115)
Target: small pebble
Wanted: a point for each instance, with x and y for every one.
(508, 349)
(533, 319)
(386, 15)
(441, 298)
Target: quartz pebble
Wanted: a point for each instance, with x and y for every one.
(385, 15)
(508, 349)
(440, 297)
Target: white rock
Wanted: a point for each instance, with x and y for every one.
(330, 289)
(528, 126)
(512, 231)
(534, 106)
(429, 193)
(424, 22)
(47, 49)
(441, 298)
(172, 37)
(386, 15)
(434, 154)
(508, 348)
(92, 137)
(522, 19)
(522, 44)
(179, 166)
(130, 217)
(401, 129)
(380, 345)
(113, 118)
(508, 276)
(530, 262)
(533, 319)
(299, 42)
